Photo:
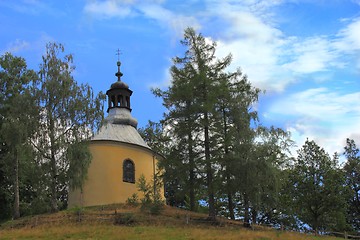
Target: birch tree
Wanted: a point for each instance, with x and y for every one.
(69, 114)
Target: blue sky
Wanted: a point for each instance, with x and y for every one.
(304, 53)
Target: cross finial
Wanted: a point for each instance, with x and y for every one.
(118, 74)
(118, 52)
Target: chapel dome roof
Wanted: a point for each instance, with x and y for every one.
(119, 84)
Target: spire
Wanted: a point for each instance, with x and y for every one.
(119, 96)
(118, 74)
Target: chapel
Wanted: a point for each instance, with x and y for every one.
(119, 154)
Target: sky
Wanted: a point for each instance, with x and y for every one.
(305, 54)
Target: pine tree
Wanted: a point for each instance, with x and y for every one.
(352, 178)
(318, 192)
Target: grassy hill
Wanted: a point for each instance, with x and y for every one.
(127, 222)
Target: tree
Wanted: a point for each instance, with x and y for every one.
(154, 135)
(318, 191)
(352, 178)
(190, 101)
(182, 121)
(210, 119)
(69, 114)
(18, 113)
(233, 118)
(268, 156)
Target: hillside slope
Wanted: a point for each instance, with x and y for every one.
(126, 222)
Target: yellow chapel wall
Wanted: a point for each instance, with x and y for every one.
(104, 184)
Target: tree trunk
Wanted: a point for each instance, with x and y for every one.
(253, 215)
(230, 198)
(191, 173)
(246, 211)
(53, 200)
(227, 169)
(209, 171)
(16, 186)
(53, 171)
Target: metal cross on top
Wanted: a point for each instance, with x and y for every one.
(118, 52)
(118, 74)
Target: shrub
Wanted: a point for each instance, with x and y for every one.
(133, 200)
(124, 219)
(151, 202)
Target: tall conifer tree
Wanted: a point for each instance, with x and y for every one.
(318, 191)
(352, 178)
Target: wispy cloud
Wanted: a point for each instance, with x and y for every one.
(109, 9)
(254, 42)
(149, 9)
(326, 115)
(314, 54)
(16, 46)
(273, 60)
(32, 7)
(176, 22)
(348, 40)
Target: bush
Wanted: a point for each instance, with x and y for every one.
(151, 202)
(133, 200)
(124, 219)
(76, 210)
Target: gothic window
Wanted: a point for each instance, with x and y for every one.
(129, 171)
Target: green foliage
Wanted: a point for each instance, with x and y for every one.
(318, 191)
(194, 102)
(154, 135)
(232, 163)
(18, 122)
(352, 180)
(210, 120)
(69, 114)
(151, 202)
(44, 121)
(76, 210)
(133, 200)
(124, 219)
(78, 169)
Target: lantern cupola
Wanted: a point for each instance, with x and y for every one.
(119, 102)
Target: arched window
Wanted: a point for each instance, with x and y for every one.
(129, 171)
(127, 100)
(113, 101)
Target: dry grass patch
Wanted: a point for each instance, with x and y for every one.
(104, 231)
(172, 224)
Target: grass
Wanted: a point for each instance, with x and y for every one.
(170, 225)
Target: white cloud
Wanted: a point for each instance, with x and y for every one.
(248, 29)
(152, 9)
(321, 114)
(176, 22)
(348, 40)
(349, 37)
(256, 44)
(273, 60)
(108, 9)
(32, 7)
(311, 55)
(17, 46)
